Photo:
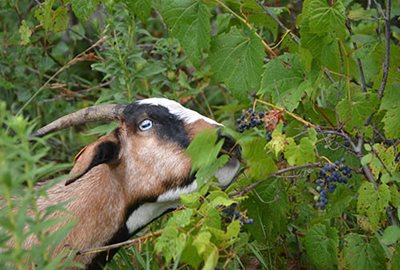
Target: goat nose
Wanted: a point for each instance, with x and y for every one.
(230, 146)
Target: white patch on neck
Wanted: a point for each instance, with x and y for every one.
(185, 114)
(147, 212)
(173, 194)
(226, 174)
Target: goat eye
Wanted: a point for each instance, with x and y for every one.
(145, 125)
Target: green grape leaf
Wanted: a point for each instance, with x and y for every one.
(339, 201)
(236, 59)
(321, 243)
(373, 202)
(387, 157)
(302, 153)
(391, 235)
(189, 22)
(202, 241)
(83, 9)
(233, 229)
(206, 249)
(361, 253)
(140, 8)
(353, 113)
(259, 164)
(394, 196)
(278, 141)
(257, 16)
(204, 150)
(268, 206)
(395, 261)
(171, 243)
(284, 80)
(391, 104)
(325, 16)
(392, 123)
(181, 218)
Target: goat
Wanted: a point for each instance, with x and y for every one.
(125, 180)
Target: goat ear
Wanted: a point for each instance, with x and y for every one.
(104, 150)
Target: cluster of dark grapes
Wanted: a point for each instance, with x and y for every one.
(330, 175)
(232, 214)
(250, 119)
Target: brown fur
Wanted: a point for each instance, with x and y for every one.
(197, 126)
(97, 201)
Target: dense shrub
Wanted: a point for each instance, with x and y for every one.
(308, 88)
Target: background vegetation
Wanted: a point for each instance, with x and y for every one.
(325, 73)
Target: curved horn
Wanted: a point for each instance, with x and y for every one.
(107, 112)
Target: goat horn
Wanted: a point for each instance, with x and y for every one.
(107, 112)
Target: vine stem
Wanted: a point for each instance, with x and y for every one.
(278, 172)
(360, 65)
(266, 46)
(121, 244)
(292, 35)
(74, 60)
(387, 50)
(295, 116)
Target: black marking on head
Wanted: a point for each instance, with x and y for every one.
(166, 125)
(106, 152)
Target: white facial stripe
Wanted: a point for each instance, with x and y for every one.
(173, 195)
(146, 213)
(185, 114)
(150, 211)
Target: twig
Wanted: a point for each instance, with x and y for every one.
(292, 35)
(328, 75)
(117, 245)
(278, 172)
(95, 87)
(323, 115)
(389, 211)
(67, 65)
(359, 63)
(387, 50)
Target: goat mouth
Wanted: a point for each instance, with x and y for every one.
(230, 147)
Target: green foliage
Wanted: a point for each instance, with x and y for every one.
(20, 219)
(269, 207)
(243, 54)
(260, 165)
(352, 112)
(321, 243)
(188, 21)
(303, 152)
(373, 202)
(284, 80)
(321, 99)
(360, 252)
(83, 9)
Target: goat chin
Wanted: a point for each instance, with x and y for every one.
(125, 180)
